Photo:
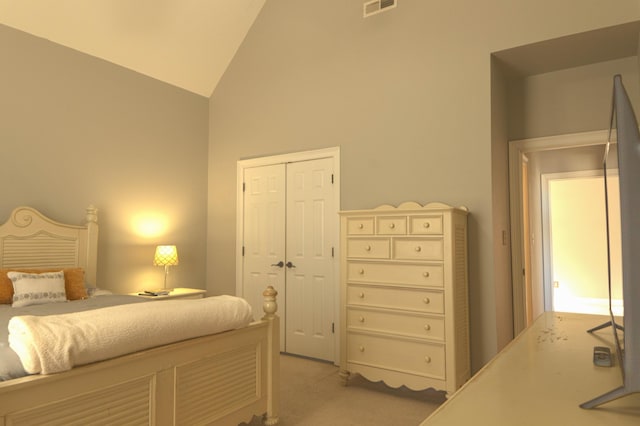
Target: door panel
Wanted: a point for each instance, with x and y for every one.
(264, 242)
(310, 281)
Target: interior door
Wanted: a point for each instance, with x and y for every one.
(289, 224)
(264, 237)
(310, 249)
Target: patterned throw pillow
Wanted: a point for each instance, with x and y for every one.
(73, 282)
(37, 289)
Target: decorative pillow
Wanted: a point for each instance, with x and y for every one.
(37, 289)
(73, 282)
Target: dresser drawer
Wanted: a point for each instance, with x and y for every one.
(385, 297)
(418, 249)
(369, 248)
(425, 225)
(421, 275)
(360, 225)
(392, 225)
(423, 326)
(424, 359)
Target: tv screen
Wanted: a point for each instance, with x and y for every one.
(627, 342)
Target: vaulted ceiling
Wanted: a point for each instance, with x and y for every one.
(187, 43)
(190, 43)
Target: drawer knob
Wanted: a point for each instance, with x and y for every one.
(361, 295)
(426, 274)
(361, 271)
(361, 348)
(427, 327)
(392, 225)
(426, 224)
(427, 359)
(360, 225)
(426, 300)
(361, 319)
(367, 247)
(418, 249)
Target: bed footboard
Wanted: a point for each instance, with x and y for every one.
(220, 379)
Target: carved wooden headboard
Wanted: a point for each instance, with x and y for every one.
(30, 239)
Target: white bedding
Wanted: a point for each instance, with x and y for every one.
(55, 343)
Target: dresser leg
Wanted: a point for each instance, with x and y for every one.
(344, 376)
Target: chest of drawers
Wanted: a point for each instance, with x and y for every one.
(404, 296)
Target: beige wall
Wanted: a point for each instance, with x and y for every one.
(571, 100)
(406, 95)
(499, 188)
(76, 130)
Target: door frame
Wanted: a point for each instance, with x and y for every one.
(293, 157)
(517, 152)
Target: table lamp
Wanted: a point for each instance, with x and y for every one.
(166, 256)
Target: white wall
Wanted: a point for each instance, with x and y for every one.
(406, 95)
(76, 130)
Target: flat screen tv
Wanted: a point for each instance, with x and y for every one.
(627, 335)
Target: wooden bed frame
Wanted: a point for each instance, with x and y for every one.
(225, 378)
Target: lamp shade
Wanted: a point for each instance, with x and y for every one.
(166, 256)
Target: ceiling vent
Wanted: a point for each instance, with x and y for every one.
(377, 6)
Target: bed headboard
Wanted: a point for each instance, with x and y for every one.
(30, 239)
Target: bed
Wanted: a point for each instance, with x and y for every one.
(224, 378)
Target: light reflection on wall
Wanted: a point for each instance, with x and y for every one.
(149, 225)
(149, 279)
(146, 229)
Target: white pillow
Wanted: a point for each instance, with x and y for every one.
(37, 289)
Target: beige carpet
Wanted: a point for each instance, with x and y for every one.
(311, 394)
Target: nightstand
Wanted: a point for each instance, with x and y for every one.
(177, 293)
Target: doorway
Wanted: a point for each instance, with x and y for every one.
(576, 250)
(556, 148)
(288, 234)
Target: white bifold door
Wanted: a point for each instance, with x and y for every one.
(290, 220)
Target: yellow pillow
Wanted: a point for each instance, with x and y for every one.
(73, 282)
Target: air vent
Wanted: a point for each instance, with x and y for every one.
(377, 6)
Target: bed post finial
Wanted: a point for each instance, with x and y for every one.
(269, 306)
(91, 266)
(92, 214)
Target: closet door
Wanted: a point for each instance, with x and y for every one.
(310, 282)
(290, 225)
(264, 237)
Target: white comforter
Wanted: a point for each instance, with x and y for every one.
(55, 343)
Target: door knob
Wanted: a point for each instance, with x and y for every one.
(290, 265)
(279, 264)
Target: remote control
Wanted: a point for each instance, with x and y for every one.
(602, 356)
